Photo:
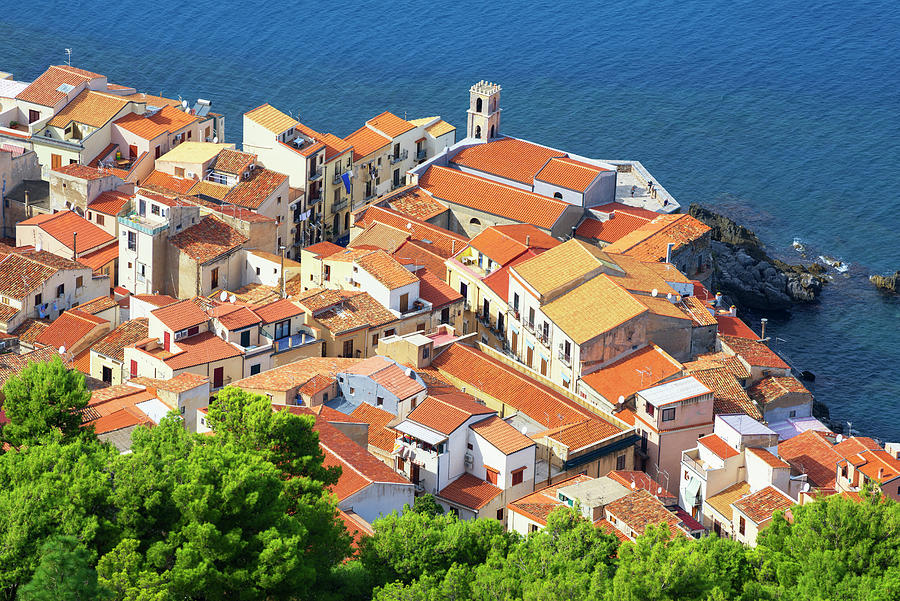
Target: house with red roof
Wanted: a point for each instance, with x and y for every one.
(71, 236)
(74, 187)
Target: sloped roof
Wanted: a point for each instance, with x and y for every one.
(641, 509)
(63, 224)
(167, 120)
(390, 124)
(568, 173)
(755, 353)
(611, 230)
(642, 368)
(271, 118)
(127, 334)
(181, 315)
(570, 261)
(110, 202)
(365, 141)
(208, 239)
(69, 328)
(293, 375)
(813, 454)
(380, 436)
(504, 437)
(728, 395)
(203, 348)
(89, 108)
(440, 240)
(417, 203)
(359, 468)
(82, 171)
(434, 290)
(773, 388)
(649, 242)
(718, 447)
(445, 416)
(510, 158)
(386, 270)
(158, 179)
(45, 90)
(760, 506)
(469, 491)
(503, 243)
(537, 506)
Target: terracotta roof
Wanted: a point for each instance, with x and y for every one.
(773, 388)
(159, 300)
(578, 313)
(334, 146)
(30, 329)
(317, 384)
(394, 379)
(435, 291)
(233, 162)
(698, 311)
(253, 191)
(470, 492)
(208, 239)
(380, 436)
(492, 197)
(439, 240)
(537, 506)
(509, 158)
(158, 179)
(181, 315)
(728, 395)
(240, 318)
(293, 375)
(203, 348)
(649, 242)
(211, 189)
(611, 230)
(621, 208)
(11, 363)
(879, 466)
(110, 202)
(734, 326)
(379, 235)
(498, 281)
(505, 384)
(69, 329)
(718, 447)
(722, 500)
(356, 310)
(571, 261)
(640, 369)
(63, 224)
(506, 438)
(181, 383)
(324, 249)
(390, 124)
(386, 270)
(89, 108)
(150, 100)
(855, 445)
(503, 243)
(127, 334)
(167, 120)
(317, 299)
(718, 360)
(813, 454)
(417, 254)
(643, 481)
(98, 259)
(440, 128)
(755, 353)
(641, 509)
(45, 89)
(81, 171)
(417, 203)
(584, 434)
(359, 468)
(365, 141)
(569, 173)
(760, 506)
(277, 311)
(97, 305)
(444, 415)
(271, 118)
(770, 459)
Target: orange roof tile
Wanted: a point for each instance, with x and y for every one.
(761, 505)
(436, 291)
(239, 318)
(855, 445)
(621, 208)
(537, 506)
(491, 197)
(89, 108)
(359, 467)
(98, 259)
(650, 241)
(722, 500)
(498, 281)
(45, 90)
(158, 179)
(181, 315)
(503, 243)
(271, 118)
(698, 311)
(718, 360)
(771, 389)
(386, 270)
(233, 162)
(584, 434)
(334, 146)
(509, 158)
(158, 300)
(390, 124)
(82, 171)
(365, 141)
(69, 329)
(110, 202)
(316, 384)
(416, 254)
(470, 492)
(394, 379)
(380, 436)
(880, 466)
(203, 348)
(445, 415)
(640, 369)
(181, 383)
(256, 189)
(611, 230)
(813, 454)
(728, 395)
(640, 509)
(293, 375)
(63, 224)
(569, 173)
(379, 235)
(324, 249)
(277, 311)
(755, 353)
(210, 189)
(30, 329)
(208, 239)
(167, 120)
(734, 326)
(417, 203)
(97, 305)
(770, 459)
(506, 438)
(440, 240)
(719, 447)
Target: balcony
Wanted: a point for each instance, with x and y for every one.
(339, 206)
(544, 338)
(142, 224)
(420, 155)
(312, 200)
(396, 185)
(291, 342)
(399, 157)
(565, 358)
(529, 325)
(315, 175)
(337, 177)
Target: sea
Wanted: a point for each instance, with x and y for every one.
(782, 115)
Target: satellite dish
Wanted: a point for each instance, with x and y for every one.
(621, 399)
(37, 247)
(669, 295)
(223, 296)
(659, 490)
(62, 350)
(840, 438)
(654, 293)
(633, 485)
(525, 430)
(805, 487)
(215, 139)
(184, 104)
(232, 298)
(408, 225)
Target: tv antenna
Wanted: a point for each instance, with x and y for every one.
(69, 56)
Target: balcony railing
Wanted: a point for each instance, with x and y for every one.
(339, 206)
(337, 177)
(313, 200)
(566, 359)
(289, 342)
(315, 175)
(420, 155)
(529, 325)
(399, 157)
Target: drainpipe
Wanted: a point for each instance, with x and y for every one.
(74, 246)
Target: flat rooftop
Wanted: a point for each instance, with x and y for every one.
(632, 173)
(744, 424)
(674, 391)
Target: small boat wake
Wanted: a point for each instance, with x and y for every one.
(837, 264)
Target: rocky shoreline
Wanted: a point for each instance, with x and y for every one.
(748, 276)
(889, 283)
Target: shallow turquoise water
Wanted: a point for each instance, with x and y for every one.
(783, 116)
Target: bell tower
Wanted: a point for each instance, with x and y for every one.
(484, 111)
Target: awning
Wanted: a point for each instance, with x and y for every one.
(602, 451)
(514, 328)
(691, 491)
(529, 343)
(420, 432)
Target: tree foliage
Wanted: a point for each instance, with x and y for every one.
(64, 573)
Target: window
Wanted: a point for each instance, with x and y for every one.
(390, 332)
(134, 368)
(55, 160)
(491, 475)
(374, 340)
(60, 290)
(478, 105)
(38, 299)
(500, 514)
(214, 278)
(532, 527)
(425, 352)
(516, 301)
(99, 218)
(154, 209)
(352, 390)
(179, 171)
(469, 445)
(620, 462)
(742, 526)
(283, 329)
(650, 409)
(132, 241)
(257, 271)
(518, 476)
(379, 401)
(245, 338)
(158, 152)
(79, 281)
(189, 134)
(182, 410)
(33, 116)
(668, 415)
(793, 413)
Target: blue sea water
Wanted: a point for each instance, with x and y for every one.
(782, 115)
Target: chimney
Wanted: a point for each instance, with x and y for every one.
(74, 246)
(669, 248)
(763, 321)
(880, 473)
(528, 240)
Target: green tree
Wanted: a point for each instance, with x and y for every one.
(428, 505)
(64, 573)
(42, 398)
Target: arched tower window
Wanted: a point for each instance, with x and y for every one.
(347, 220)
(478, 103)
(478, 131)
(557, 195)
(474, 221)
(492, 131)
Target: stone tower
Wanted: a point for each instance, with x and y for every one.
(484, 111)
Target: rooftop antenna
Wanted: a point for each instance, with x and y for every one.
(850, 429)
(69, 56)
(644, 372)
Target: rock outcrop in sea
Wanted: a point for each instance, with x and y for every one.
(891, 283)
(746, 273)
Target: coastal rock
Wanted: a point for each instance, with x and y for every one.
(748, 275)
(890, 283)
